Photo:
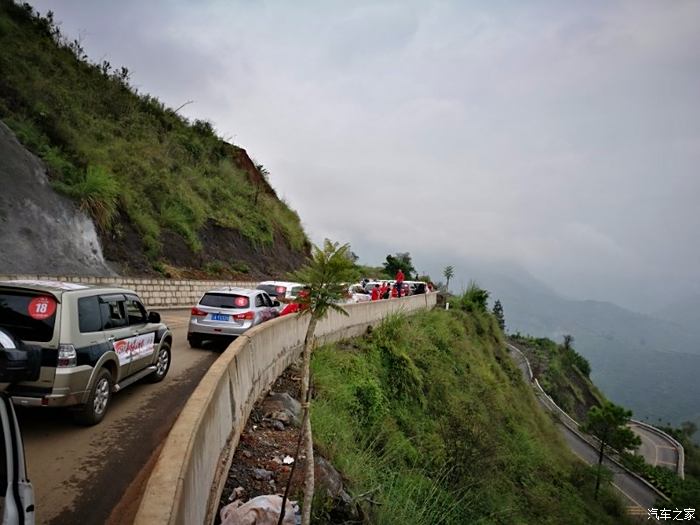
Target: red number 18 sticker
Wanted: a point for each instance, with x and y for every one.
(41, 308)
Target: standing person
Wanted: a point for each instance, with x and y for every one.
(395, 291)
(375, 293)
(293, 307)
(384, 292)
(399, 280)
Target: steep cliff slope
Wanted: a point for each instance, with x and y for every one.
(38, 227)
(164, 193)
(430, 422)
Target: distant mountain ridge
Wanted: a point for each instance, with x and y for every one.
(648, 364)
(684, 312)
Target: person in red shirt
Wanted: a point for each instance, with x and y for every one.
(399, 281)
(383, 289)
(395, 291)
(289, 308)
(294, 307)
(375, 293)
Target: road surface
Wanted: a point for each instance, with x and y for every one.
(656, 449)
(637, 494)
(96, 474)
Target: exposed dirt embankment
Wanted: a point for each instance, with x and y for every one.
(44, 232)
(41, 230)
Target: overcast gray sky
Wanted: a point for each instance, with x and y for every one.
(560, 137)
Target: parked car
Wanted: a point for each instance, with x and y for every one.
(94, 341)
(18, 362)
(369, 285)
(228, 313)
(357, 294)
(282, 290)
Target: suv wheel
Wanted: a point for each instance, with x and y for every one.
(94, 410)
(194, 340)
(162, 364)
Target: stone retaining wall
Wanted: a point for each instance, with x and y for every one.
(155, 293)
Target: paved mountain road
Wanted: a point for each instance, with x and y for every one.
(84, 475)
(638, 495)
(655, 448)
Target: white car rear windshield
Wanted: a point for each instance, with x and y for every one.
(273, 290)
(225, 300)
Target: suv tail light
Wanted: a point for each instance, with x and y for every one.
(196, 312)
(67, 356)
(245, 316)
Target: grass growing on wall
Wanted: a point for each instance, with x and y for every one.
(111, 148)
(429, 418)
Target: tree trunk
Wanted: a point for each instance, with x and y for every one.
(600, 466)
(306, 426)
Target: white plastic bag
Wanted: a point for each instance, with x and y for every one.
(263, 510)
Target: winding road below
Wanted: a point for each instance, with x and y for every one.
(638, 494)
(656, 448)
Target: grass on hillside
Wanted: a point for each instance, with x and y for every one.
(113, 149)
(431, 423)
(563, 373)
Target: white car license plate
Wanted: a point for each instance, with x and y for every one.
(219, 317)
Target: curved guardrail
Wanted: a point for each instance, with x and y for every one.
(573, 425)
(680, 467)
(188, 477)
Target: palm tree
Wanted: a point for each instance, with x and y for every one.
(449, 273)
(324, 275)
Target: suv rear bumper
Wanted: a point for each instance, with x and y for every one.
(49, 400)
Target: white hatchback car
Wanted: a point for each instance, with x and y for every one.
(228, 313)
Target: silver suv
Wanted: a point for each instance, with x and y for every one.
(228, 313)
(94, 341)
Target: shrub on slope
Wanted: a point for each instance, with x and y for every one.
(97, 135)
(431, 421)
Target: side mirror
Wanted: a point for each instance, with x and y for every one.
(153, 317)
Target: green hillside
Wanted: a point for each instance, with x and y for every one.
(429, 419)
(154, 182)
(563, 373)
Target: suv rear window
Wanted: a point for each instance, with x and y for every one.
(89, 315)
(24, 315)
(225, 300)
(271, 289)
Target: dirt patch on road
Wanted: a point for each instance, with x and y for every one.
(112, 479)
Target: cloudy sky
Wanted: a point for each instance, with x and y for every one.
(561, 138)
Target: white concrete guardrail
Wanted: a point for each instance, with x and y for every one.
(573, 425)
(679, 448)
(188, 477)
